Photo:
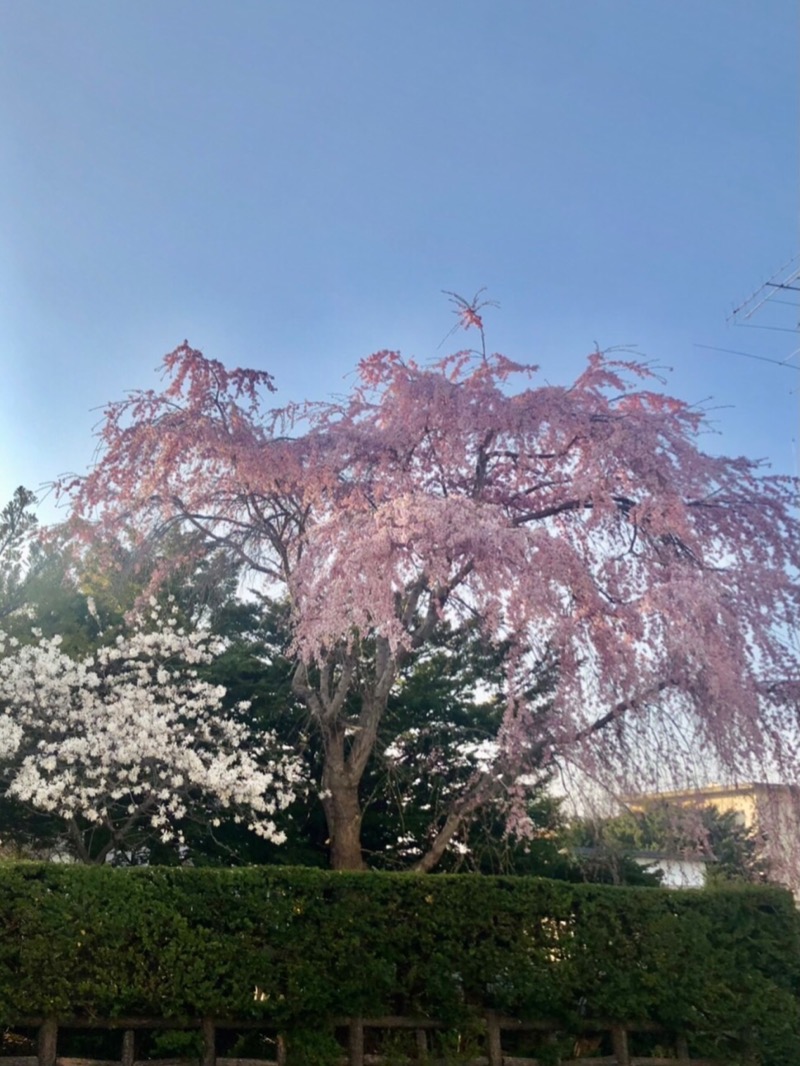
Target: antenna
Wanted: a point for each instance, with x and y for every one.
(768, 304)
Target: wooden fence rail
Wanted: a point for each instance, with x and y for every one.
(353, 1051)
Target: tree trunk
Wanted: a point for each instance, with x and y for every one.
(347, 743)
(343, 815)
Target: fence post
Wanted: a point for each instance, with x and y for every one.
(494, 1044)
(46, 1042)
(128, 1047)
(209, 1057)
(550, 1041)
(749, 1050)
(422, 1045)
(619, 1040)
(356, 1042)
(281, 1052)
(682, 1049)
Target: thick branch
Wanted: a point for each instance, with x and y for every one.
(619, 709)
(484, 788)
(549, 512)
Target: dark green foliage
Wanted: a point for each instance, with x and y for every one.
(733, 852)
(737, 850)
(445, 706)
(317, 945)
(432, 727)
(17, 526)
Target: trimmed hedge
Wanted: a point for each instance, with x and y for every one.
(101, 942)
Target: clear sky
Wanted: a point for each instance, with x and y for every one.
(290, 184)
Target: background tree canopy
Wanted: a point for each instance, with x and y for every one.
(442, 592)
(443, 711)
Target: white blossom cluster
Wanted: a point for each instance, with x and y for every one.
(131, 736)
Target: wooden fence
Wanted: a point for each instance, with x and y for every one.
(354, 1033)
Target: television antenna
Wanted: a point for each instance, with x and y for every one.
(766, 307)
(775, 305)
(769, 304)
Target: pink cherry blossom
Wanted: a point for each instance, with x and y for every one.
(583, 522)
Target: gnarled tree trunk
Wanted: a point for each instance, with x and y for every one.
(343, 815)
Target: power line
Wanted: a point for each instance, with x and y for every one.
(777, 329)
(749, 355)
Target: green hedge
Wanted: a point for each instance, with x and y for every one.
(99, 942)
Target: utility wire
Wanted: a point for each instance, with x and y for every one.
(749, 355)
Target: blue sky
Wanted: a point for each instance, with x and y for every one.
(290, 185)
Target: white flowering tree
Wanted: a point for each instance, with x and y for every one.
(126, 743)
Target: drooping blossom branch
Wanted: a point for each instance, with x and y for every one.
(583, 524)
